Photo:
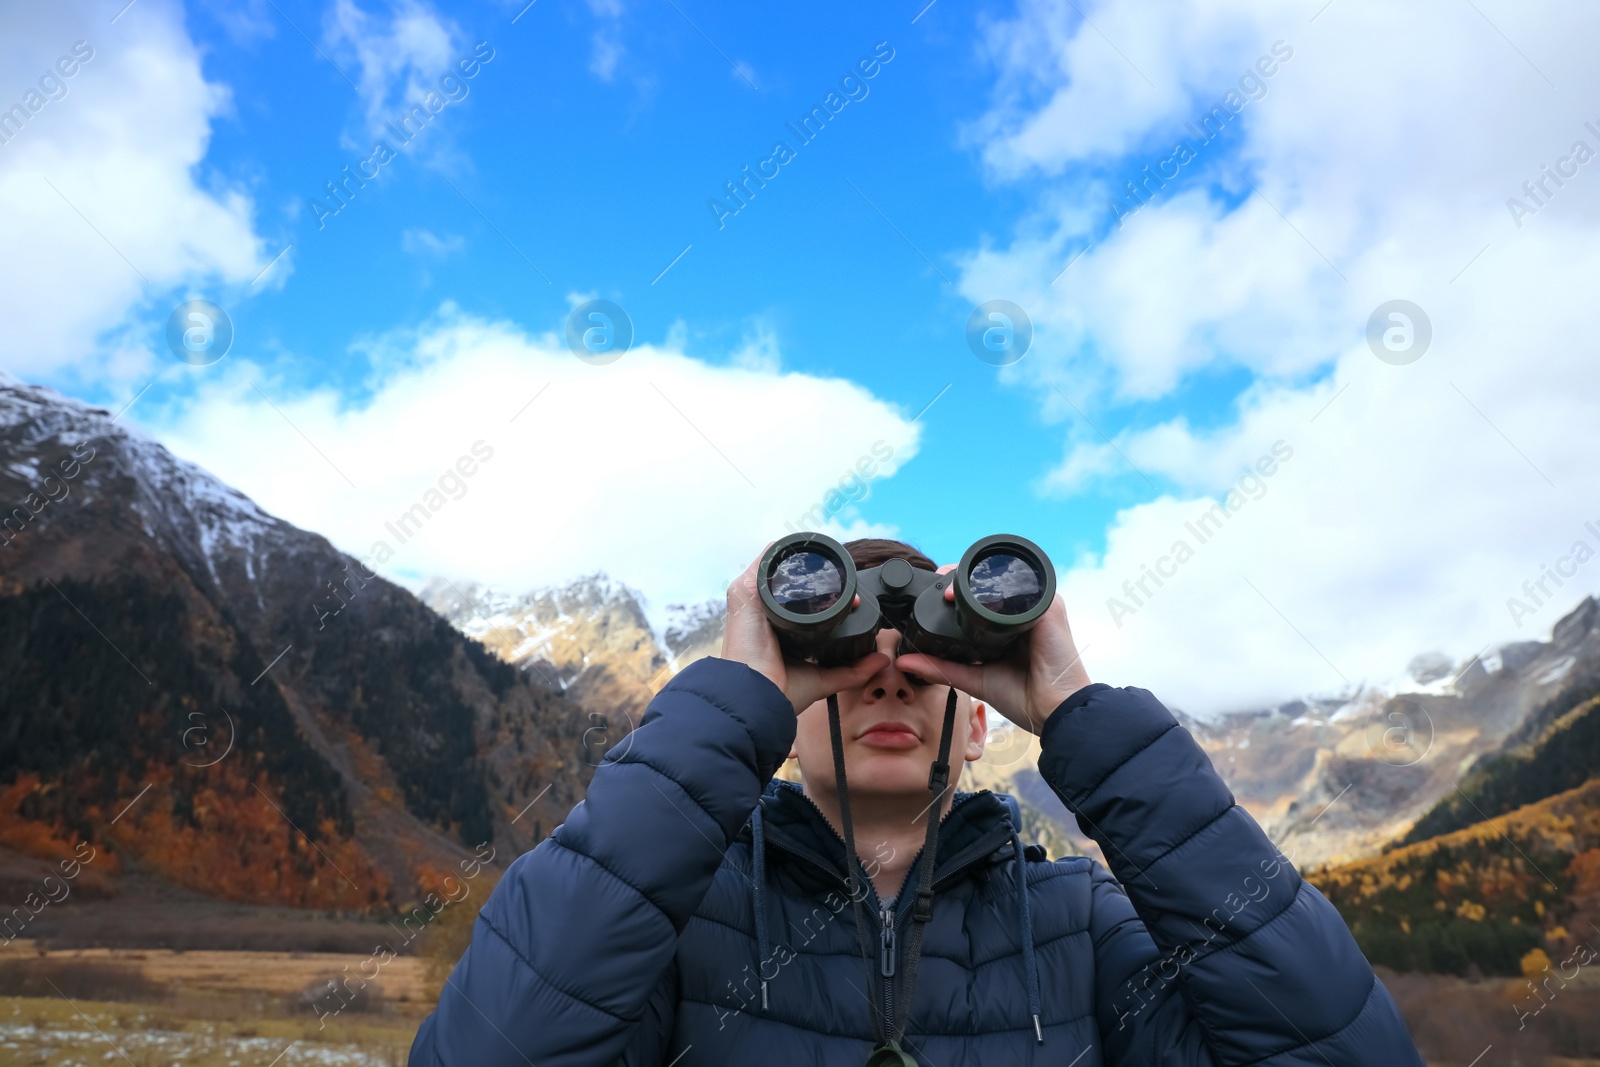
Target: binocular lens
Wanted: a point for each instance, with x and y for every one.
(806, 582)
(1006, 584)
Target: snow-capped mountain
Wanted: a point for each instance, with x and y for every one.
(208, 691)
(1338, 778)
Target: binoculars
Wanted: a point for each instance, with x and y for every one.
(808, 585)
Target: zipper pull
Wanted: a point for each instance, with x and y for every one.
(886, 952)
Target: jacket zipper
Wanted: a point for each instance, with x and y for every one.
(886, 961)
(886, 954)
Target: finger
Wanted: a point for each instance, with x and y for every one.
(755, 564)
(949, 590)
(963, 676)
(838, 679)
(743, 588)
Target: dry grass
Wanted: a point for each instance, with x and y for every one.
(1454, 1020)
(53, 1032)
(403, 979)
(206, 1009)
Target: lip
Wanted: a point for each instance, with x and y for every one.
(890, 734)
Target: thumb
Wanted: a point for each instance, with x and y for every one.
(965, 677)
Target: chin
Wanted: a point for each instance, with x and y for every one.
(889, 773)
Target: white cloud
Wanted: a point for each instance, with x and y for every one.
(400, 56)
(1389, 143)
(660, 469)
(130, 213)
(424, 242)
(605, 45)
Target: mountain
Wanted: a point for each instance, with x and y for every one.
(1557, 748)
(1503, 874)
(201, 692)
(1340, 779)
(588, 639)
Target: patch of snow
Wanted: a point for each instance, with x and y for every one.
(174, 496)
(1556, 671)
(1352, 710)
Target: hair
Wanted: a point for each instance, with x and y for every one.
(871, 551)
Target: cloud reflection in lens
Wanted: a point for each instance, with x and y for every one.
(806, 582)
(1006, 584)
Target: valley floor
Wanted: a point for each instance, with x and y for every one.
(147, 1008)
(41, 1031)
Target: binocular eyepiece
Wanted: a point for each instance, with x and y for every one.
(808, 584)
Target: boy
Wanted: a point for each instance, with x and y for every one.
(693, 910)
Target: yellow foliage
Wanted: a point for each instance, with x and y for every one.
(1585, 870)
(1471, 909)
(1535, 963)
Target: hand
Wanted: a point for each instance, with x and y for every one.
(748, 638)
(1025, 688)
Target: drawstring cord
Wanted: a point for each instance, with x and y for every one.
(1029, 963)
(922, 911)
(852, 883)
(759, 862)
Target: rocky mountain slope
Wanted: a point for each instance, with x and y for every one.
(198, 690)
(1557, 748)
(1338, 779)
(1502, 876)
(590, 639)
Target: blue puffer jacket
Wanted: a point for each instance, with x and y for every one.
(640, 933)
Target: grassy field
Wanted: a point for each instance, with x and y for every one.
(203, 1009)
(197, 1033)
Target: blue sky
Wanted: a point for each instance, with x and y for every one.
(1366, 156)
(601, 183)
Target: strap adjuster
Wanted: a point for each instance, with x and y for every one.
(922, 911)
(938, 776)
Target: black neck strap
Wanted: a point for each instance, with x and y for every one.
(889, 1032)
(851, 864)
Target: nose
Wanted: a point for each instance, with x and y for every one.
(902, 691)
(889, 683)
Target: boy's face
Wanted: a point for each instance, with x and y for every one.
(890, 732)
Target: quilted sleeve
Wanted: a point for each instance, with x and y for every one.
(1212, 950)
(573, 947)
